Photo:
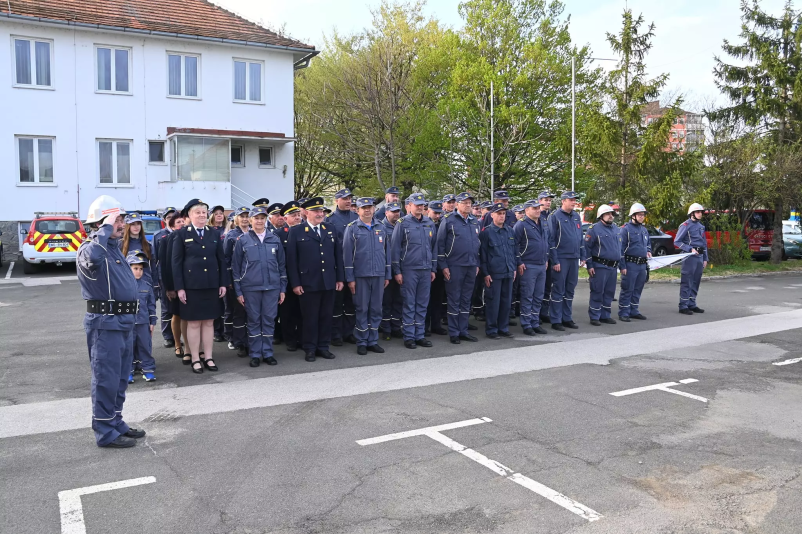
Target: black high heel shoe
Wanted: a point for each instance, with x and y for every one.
(209, 366)
(197, 370)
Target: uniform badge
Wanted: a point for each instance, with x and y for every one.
(430, 233)
(578, 225)
(306, 229)
(380, 239)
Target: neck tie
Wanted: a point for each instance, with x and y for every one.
(200, 233)
(317, 230)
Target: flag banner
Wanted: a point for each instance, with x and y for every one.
(659, 262)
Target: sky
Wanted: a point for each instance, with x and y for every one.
(688, 33)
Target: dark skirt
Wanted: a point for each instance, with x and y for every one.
(202, 305)
(174, 305)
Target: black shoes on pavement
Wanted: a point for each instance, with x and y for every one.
(310, 356)
(697, 309)
(135, 433)
(362, 350)
(410, 344)
(609, 320)
(468, 337)
(325, 354)
(168, 343)
(454, 340)
(639, 317)
(540, 330)
(270, 361)
(624, 319)
(558, 326)
(376, 348)
(121, 442)
(570, 324)
(686, 311)
(492, 336)
(595, 322)
(423, 342)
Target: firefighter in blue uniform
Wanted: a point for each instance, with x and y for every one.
(414, 263)
(501, 197)
(478, 297)
(110, 289)
(449, 203)
(390, 196)
(290, 309)
(391, 301)
(458, 259)
(636, 249)
(435, 313)
(367, 274)
(497, 256)
(144, 322)
(518, 211)
(274, 222)
(545, 199)
(235, 312)
(343, 310)
(532, 242)
(164, 302)
(566, 253)
(228, 322)
(260, 281)
(603, 259)
(691, 238)
(315, 283)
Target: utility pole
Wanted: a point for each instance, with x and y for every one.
(492, 146)
(573, 121)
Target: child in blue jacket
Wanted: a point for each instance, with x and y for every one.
(145, 321)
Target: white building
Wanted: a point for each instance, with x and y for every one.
(151, 102)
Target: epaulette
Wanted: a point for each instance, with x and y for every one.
(350, 223)
(321, 225)
(685, 223)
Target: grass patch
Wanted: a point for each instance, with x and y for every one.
(744, 267)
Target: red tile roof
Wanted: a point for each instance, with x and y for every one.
(197, 18)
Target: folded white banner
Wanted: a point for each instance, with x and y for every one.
(664, 261)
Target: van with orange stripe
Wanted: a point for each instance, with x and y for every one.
(52, 238)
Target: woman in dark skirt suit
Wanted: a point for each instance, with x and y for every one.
(200, 278)
(174, 222)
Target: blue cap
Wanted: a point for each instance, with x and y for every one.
(302, 201)
(274, 208)
(264, 201)
(498, 206)
(136, 257)
(258, 210)
(545, 194)
(364, 201)
(231, 216)
(392, 206)
(501, 194)
(343, 193)
(463, 196)
(242, 209)
(167, 211)
(436, 206)
(449, 198)
(518, 208)
(132, 218)
(569, 194)
(531, 204)
(392, 190)
(416, 198)
(486, 204)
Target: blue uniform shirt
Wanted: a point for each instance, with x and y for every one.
(365, 251)
(458, 241)
(635, 240)
(565, 236)
(532, 240)
(155, 244)
(105, 275)
(339, 219)
(509, 220)
(258, 265)
(602, 241)
(497, 251)
(146, 314)
(228, 245)
(413, 244)
(691, 234)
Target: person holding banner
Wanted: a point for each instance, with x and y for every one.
(636, 249)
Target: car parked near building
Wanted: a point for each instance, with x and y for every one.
(52, 238)
(151, 224)
(792, 239)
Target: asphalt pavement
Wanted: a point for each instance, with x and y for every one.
(534, 440)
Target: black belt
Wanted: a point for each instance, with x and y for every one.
(700, 250)
(112, 307)
(636, 259)
(606, 263)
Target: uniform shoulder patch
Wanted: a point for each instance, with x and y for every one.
(322, 226)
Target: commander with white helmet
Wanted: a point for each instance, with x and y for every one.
(691, 238)
(603, 259)
(636, 249)
(110, 291)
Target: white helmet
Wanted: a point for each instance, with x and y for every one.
(101, 206)
(604, 208)
(695, 207)
(636, 208)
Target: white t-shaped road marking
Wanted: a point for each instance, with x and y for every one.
(72, 512)
(662, 387)
(434, 432)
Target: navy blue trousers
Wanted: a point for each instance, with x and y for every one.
(690, 279)
(316, 309)
(261, 308)
(368, 306)
(228, 313)
(544, 306)
(392, 305)
(631, 288)
(434, 312)
(563, 285)
(290, 313)
(111, 353)
(143, 349)
(415, 293)
(343, 316)
(602, 291)
(459, 291)
(236, 319)
(166, 317)
(498, 299)
(533, 285)
(478, 296)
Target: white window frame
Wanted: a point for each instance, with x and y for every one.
(164, 152)
(248, 62)
(183, 89)
(272, 158)
(114, 161)
(113, 65)
(33, 84)
(241, 164)
(35, 183)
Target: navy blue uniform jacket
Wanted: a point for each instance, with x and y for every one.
(314, 263)
(198, 263)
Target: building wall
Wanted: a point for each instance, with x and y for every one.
(76, 116)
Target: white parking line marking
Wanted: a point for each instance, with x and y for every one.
(72, 513)
(500, 469)
(788, 362)
(755, 288)
(10, 268)
(666, 386)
